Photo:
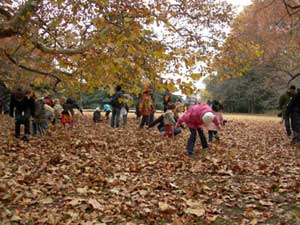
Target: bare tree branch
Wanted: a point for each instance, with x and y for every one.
(293, 78)
(71, 51)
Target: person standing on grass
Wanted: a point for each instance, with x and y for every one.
(293, 109)
(146, 107)
(195, 118)
(116, 107)
(22, 108)
(283, 103)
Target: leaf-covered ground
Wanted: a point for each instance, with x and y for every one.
(98, 175)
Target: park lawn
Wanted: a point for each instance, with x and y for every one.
(97, 175)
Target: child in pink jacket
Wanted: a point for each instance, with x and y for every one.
(196, 117)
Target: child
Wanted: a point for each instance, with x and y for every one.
(124, 113)
(97, 115)
(212, 128)
(107, 110)
(40, 122)
(169, 120)
(197, 116)
(66, 117)
(146, 107)
(57, 111)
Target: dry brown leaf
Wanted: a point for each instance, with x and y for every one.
(95, 204)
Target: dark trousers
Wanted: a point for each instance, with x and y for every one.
(192, 140)
(295, 116)
(107, 114)
(287, 124)
(115, 117)
(145, 121)
(19, 121)
(212, 134)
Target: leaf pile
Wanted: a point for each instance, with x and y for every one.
(98, 175)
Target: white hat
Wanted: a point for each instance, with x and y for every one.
(208, 117)
(97, 109)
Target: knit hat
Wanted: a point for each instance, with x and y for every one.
(97, 109)
(208, 117)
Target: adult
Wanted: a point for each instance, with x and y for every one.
(283, 103)
(166, 99)
(4, 98)
(146, 107)
(116, 105)
(195, 118)
(293, 109)
(22, 108)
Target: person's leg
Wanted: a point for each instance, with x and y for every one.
(202, 138)
(27, 127)
(210, 135)
(144, 121)
(287, 123)
(296, 127)
(17, 128)
(124, 120)
(191, 142)
(34, 128)
(118, 114)
(113, 116)
(177, 131)
(216, 134)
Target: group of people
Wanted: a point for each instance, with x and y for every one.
(289, 104)
(197, 118)
(36, 113)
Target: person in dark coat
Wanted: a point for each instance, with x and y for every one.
(70, 105)
(116, 105)
(293, 109)
(22, 108)
(283, 103)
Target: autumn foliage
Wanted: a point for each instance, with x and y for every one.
(98, 175)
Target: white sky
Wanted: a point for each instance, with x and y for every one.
(240, 3)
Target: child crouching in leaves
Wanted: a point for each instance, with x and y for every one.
(195, 118)
(169, 120)
(66, 118)
(97, 115)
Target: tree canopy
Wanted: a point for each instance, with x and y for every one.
(107, 42)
